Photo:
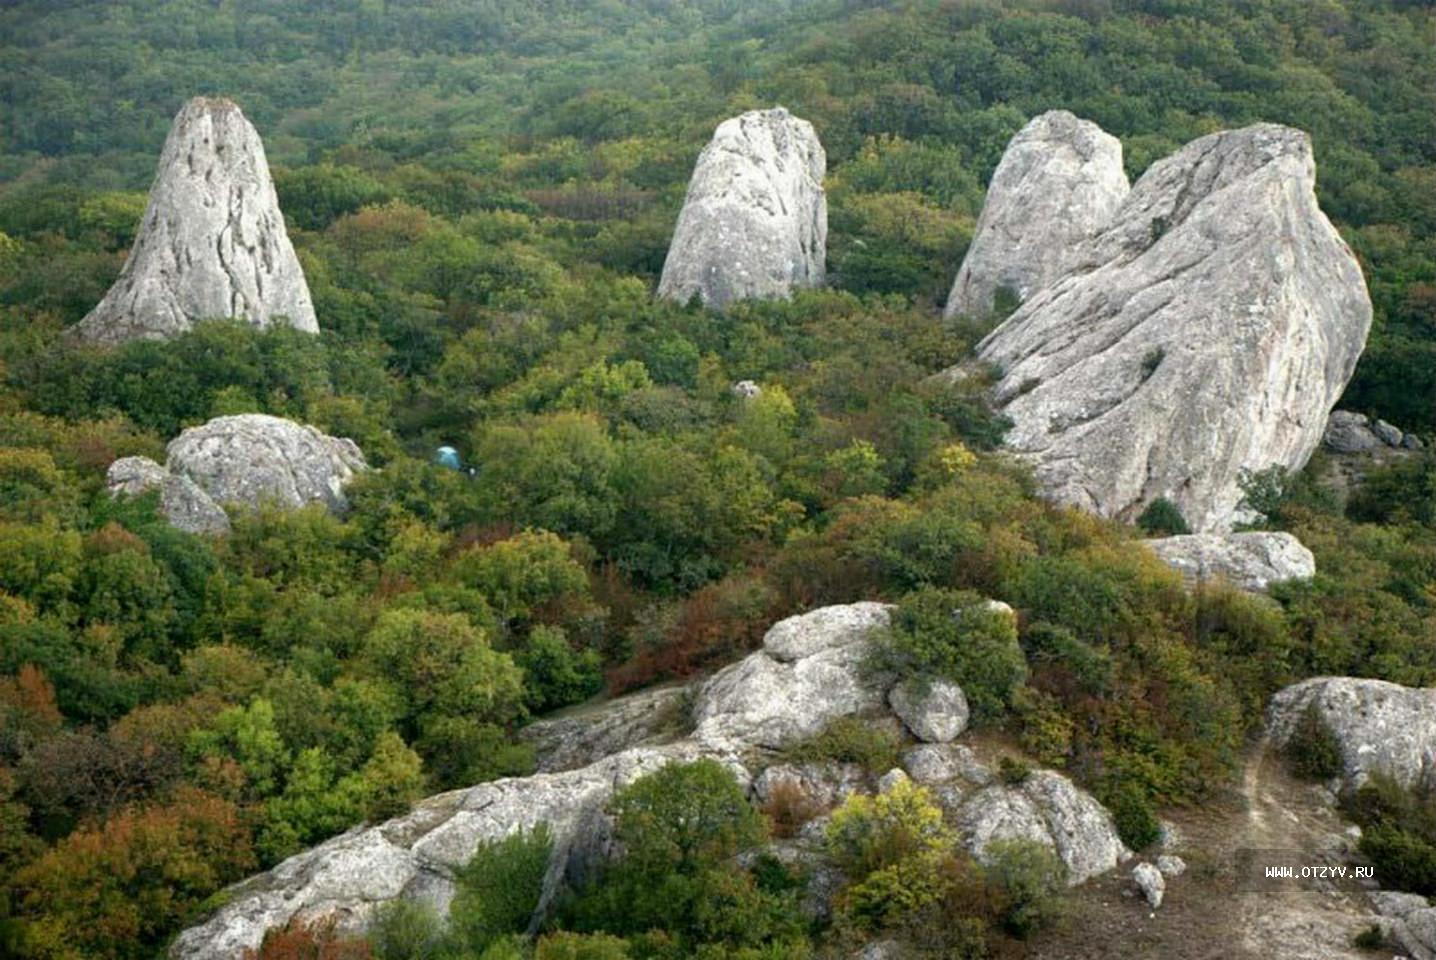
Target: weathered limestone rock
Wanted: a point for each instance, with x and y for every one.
(1416, 932)
(182, 502)
(585, 734)
(1379, 725)
(747, 390)
(755, 222)
(824, 785)
(934, 714)
(212, 243)
(1171, 865)
(807, 674)
(935, 763)
(1394, 903)
(1059, 182)
(1050, 809)
(1252, 560)
(1151, 882)
(254, 458)
(346, 878)
(1207, 330)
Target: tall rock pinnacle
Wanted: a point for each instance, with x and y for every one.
(1207, 330)
(1059, 182)
(212, 243)
(755, 222)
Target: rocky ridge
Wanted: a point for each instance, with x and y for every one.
(212, 243)
(813, 660)
(1207, 329)
(754, 224)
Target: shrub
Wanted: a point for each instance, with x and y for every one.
(684, 818)
(577, 946)
(892, 846)
(1404, 859)
(1132, 812)
(1013, 771)
(1163, 518)
(789, 807)
(1030, 881)
(955, 635)
(874, 747)
(405, 930)
(1312, 750)
(499, 888)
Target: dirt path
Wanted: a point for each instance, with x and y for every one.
(1223, 907)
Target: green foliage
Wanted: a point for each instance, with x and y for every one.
(1162, 518)
(1398, 832)
(405, 929)
(499, 888)
(955, 635)
(1031, 881)
(1133, 815)
(1312, 749)
(873, 746)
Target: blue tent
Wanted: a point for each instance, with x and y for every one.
(448, 457)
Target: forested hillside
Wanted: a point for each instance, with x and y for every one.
(481, 195)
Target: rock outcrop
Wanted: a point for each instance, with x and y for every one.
(1059, 182)
(934, 713)
(1206, 330)
(588, 733)
(182, 502)
(1379, 726)
(1348, 432)
(809, 672)
(754, 224)
(212, 243)
(254, 459)
(807, 675)
(1252, 560)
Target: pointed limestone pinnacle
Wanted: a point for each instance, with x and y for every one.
(755, 222)
(212, 244)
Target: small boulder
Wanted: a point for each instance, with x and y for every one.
(824, 785)
(1348, 432)
(754, 224)
(253, 459)
(746, 390)
(1252, 560)
(1387, 433)
(1171, 866)
(935, 712)
(1377, 725)
(934, 763)
(1151, 882)
(891, 780)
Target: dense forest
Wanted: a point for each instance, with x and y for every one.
(481, 194)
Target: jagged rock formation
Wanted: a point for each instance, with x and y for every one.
(1379, 726)
(817, 656)
(1059, 182)
(212, 243)
(255, 459)
(1206, 330)
(182, 502)
(1253, 560)
(754, 224)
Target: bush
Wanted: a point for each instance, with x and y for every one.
(1163, 518)
(955, 635)
(1312, 750)
(1031, 883)
(499, 888)
(405, 930)
(1132, 812)
(892, 847)
(1013, 771)
(576, 946)
(872, 746)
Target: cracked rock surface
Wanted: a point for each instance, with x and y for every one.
(754, 224)
(1059, 182)
(212, 244)
(1207, 329)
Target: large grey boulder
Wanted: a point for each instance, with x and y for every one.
(1206, 331)
(1252, 560)
(1049, 809)
(1058, 183)
(1348, 432)
(1379, 726)
(755, 222)
(182, 502)
(212, 243)
(254, 459)
(1416, 932)
(345, 879)
(809, 673)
